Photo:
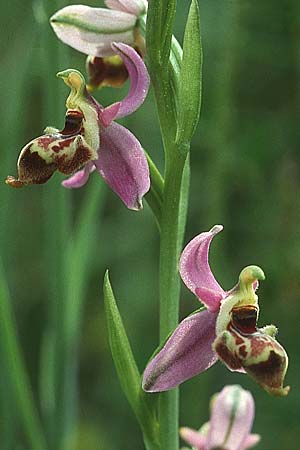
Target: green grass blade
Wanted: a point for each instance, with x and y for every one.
(15, 365)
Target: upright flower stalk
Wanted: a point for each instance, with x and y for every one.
(167, 79)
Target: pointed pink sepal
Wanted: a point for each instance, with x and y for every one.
(123, 165)
(107, 115)
(139, 79)
(196, 273)
(212, 298)
(186, 353)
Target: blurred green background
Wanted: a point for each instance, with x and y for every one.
(245, 164)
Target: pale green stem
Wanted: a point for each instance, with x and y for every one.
(172, 229)
(164, 77)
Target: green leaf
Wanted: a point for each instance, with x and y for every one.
(189, 100)
(128, 373)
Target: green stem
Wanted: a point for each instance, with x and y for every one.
(165, 77)
(17, 372)
(172, 229)
(173, 220)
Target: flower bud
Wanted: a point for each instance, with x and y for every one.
(232, 414)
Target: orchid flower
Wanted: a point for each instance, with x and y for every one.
(226, 330)
(91, 140)
(92, 32)
(232, 415)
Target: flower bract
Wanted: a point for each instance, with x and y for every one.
(226, 329)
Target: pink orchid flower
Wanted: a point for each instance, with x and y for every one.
(230, 424)
(91, 140)
(226, 330)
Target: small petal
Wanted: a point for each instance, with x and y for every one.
(137, 7)
(196, 273)
(139, 79)
(194, 438)
(250, 441)
(79, 178)
(212, 298)
(109, 114)
(186, 353)
(123, 165)
(231, 419)
(92, 30)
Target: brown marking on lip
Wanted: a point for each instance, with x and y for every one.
(62, 143)
(227, 356)
(45, 141)
(33, 169)
(244, 319)
(237, 337)
(242, 351)
(68, 166)
(270, 372)
(259, 343)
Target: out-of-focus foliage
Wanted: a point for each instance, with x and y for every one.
(245, 160)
